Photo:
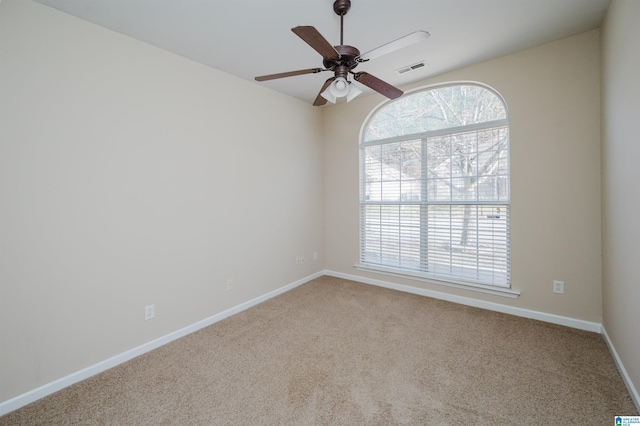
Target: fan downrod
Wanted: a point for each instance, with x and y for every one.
(348, 54)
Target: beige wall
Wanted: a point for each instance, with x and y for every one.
(620, 180)
(131, 176)
(552, 93)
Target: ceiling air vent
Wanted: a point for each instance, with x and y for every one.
(410, 68)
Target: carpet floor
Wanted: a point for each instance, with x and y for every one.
(337, 352)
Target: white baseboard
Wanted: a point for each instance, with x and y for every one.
(633, 391)
(49, 388)
(526, 313)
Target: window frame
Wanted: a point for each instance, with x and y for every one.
(424, 136)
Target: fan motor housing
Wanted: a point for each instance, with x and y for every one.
(348, 55)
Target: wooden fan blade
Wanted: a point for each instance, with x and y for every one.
(392, 46)
(289, 74)
(314, 39)
(378, 85)
(319, 99)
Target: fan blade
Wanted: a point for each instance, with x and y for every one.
(392, 46)
(314, 39)
(378, 85)
(289, 74)
(319, 99)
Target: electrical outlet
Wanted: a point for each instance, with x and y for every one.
(558, 287)
(149, 312)
(229, 284)
(300, 260)
(315, 255)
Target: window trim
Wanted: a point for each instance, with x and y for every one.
(423, 277)
(505, 291)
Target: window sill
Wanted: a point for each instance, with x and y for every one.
(497, 291)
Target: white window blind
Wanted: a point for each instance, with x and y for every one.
(436, 203)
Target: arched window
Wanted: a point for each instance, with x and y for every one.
(434, 179)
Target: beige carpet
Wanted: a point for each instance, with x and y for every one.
(336, 352)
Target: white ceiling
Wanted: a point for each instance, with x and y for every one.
(248, 38)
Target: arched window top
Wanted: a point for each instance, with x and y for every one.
(435, 108)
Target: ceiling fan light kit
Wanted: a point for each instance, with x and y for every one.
(342, 59)
(340, 88)
(353, 92)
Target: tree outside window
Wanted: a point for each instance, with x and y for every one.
(435, 185)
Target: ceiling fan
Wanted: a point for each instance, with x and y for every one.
(342, 59)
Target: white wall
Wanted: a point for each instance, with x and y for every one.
(620, 179)
(131, 176)
(552, 92)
